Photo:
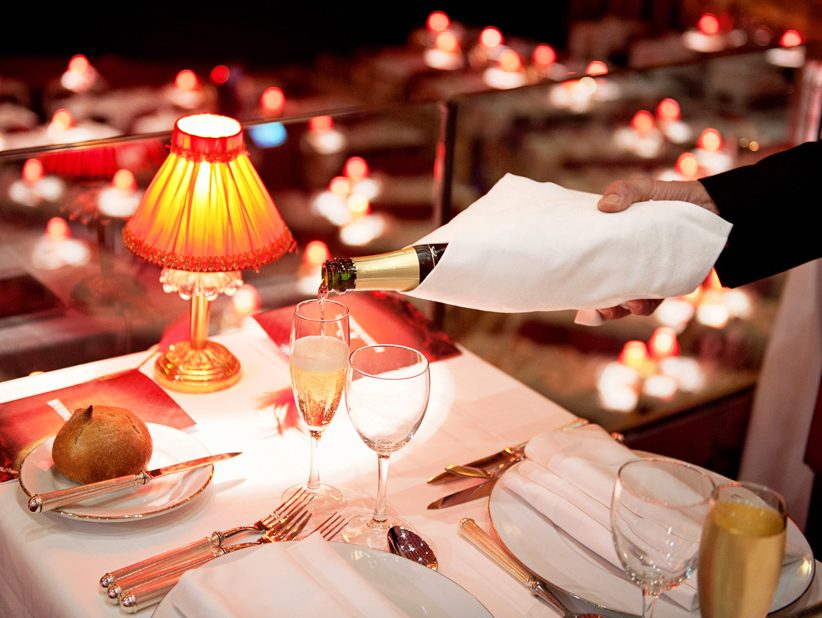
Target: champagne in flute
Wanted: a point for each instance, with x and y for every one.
(318, 364)
(740, 557)
(320, 335)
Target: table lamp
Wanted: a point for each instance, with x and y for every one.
(205, 217)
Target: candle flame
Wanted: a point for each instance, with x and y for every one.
(32, 170)
(708, 24)
(320, 123)
(438, 21)
(79, 64)
(791, 38)
(57, 229)
(187, 81)
(643, 122)
(663, 343)
(316, 252)
(668, 109)
(596, 67)
(490, 37)
(544, 55)
(710, 139)
(124, 179)
(356, 168)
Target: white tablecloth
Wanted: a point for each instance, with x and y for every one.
(50, 565)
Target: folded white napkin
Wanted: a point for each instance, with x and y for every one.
(569, 476)
(306, 578)
(531, 246)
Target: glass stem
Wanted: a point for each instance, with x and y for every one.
(382, 486)
(648, 603)
(314, 470)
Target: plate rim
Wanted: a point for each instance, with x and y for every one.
(498, 488)
(412, 565)
(346, 552)
(128, 516)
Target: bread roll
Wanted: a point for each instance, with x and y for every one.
(101, 442)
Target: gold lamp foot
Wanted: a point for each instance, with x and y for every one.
(205, 369)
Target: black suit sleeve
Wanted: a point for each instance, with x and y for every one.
(775, 208)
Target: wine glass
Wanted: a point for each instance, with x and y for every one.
(657, 511)
(320, 338)
(743, 544)
(386, 393)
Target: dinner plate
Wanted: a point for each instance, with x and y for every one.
(38, 474)
(559, 559)
(415, 590)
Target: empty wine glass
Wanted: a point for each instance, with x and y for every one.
(386, 393)
(320, 337)
(743, 545)
(657, 512)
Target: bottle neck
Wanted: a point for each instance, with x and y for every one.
(401, 270)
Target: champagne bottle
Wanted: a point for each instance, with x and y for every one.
(401, 270)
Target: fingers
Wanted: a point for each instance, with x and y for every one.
(622, 193)
(613, 313)
(643, 307)
(631, 307)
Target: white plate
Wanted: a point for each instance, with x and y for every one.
(413, 588)
(38, 475)
(557, 558)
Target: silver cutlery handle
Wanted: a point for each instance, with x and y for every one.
(161, 571)
(209, 543)
(489, 546)
(152, 589)
(51, 500)
(148, 594)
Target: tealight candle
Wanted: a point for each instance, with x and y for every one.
(121, 199)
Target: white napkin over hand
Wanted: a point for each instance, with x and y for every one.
(531, 246)
(568, 476)
(305, 578)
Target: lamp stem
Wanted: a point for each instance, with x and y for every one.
(199, 321)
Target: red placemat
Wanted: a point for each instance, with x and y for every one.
(24, 423)
(375, 317)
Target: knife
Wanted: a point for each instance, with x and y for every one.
(464, 495)
(51, 500)
(508, 451)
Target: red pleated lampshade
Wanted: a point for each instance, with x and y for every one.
(207, 209)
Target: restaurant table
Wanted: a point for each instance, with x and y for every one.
(51, 565)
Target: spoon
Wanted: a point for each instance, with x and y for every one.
(403, 542)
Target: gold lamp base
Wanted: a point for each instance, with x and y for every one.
(205, 369)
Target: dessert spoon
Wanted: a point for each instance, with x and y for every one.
(403, 542)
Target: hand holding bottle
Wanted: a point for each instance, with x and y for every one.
(620, 194)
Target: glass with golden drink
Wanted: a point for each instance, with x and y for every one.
(741, 551)
(320, 336)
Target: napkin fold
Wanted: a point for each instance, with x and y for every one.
(531, 246)
(308, 578)
(568, 476)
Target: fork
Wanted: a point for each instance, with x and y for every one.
(209, 545)
(151, 592)
(330, 527)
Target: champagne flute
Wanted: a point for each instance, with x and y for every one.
(320, 337)
(743, 545)
(386, 393)
(657, 512)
